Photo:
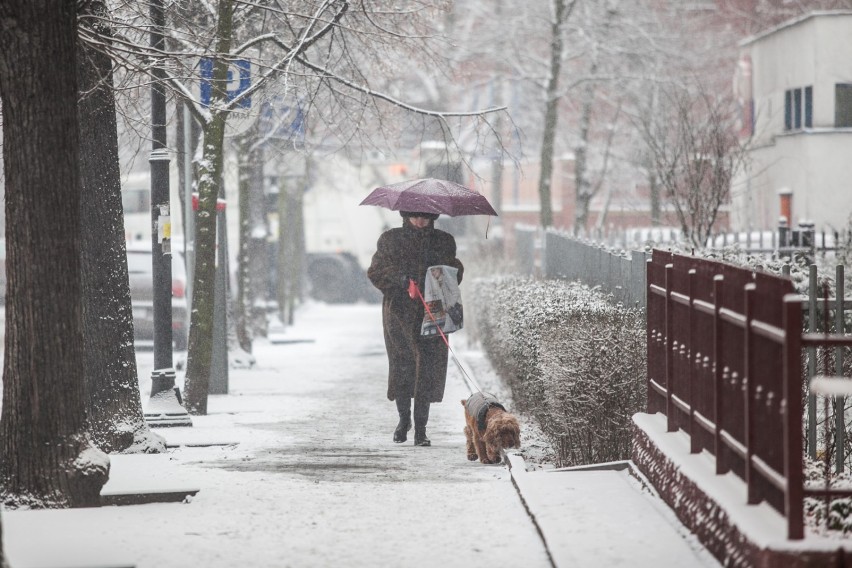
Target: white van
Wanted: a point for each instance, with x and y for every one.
(136, 202)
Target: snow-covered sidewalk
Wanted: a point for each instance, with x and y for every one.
(306, 475)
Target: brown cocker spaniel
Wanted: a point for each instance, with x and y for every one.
(490, 428)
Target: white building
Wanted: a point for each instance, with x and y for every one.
(795, 84)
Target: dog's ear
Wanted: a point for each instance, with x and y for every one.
(464, 402)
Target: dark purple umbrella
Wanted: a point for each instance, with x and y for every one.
(430, 196)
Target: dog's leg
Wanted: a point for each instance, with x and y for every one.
(471, 449)
(480, 446)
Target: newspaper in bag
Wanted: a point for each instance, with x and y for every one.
(443, 298)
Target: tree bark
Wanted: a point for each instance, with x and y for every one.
(250, 200)
(46, 458)
(656, 208)
(581, 165)
(200, 350)
(115, 415)
(288, 267)
(551, 116)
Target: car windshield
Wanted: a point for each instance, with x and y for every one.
(139, 261)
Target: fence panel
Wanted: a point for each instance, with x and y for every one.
(568, 258)
(725, 347)
(716, 342)
(656, 330)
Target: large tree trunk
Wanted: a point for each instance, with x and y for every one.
(200, 350)
(289, 250)
(115, 415)
(551, 116)
(654, 190)
(251, 200)
(46, 459)
(581, 165)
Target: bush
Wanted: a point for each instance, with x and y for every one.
(572, 359)
(827, 517)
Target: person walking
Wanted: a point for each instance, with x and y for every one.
(417, 365)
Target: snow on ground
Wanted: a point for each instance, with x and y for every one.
(315, 479)
(302, 472)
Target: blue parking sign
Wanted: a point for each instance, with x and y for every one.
(239, 72)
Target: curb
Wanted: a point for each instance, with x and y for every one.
(518, 467)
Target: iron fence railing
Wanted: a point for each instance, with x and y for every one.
(802, 240)
(726, 351)
(616, 272)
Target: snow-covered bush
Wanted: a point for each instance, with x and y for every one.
(571, 357)
(834, 516)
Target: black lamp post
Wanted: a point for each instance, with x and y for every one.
(164, 408)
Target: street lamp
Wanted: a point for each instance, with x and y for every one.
(164, 407)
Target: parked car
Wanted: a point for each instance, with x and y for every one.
(337, 278)
(142, 296)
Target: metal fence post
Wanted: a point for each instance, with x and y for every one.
(812, 362)
(748, 396)
(670, 407)
(794, 495)
(721, 462)
(694, 447)
(840, 401)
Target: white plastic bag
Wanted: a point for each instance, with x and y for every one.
(443, 301)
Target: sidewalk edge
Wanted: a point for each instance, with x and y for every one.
(517, 468)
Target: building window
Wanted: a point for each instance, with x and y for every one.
(809, 107)
(843, 105)
(798, 108)
(788, 110)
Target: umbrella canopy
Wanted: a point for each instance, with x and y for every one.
(430, 196)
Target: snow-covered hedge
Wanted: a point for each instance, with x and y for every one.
(572, 359)
(835, 518)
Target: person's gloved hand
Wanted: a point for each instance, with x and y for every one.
(403, 280)
(413, 291)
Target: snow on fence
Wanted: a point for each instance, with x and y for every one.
(615, 272)
(694, 365)
(725, 366)
(702, 346)
(782, 241)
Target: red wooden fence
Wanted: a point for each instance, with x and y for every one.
(725, 366)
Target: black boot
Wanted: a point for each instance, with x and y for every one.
(403, 406)
(421, 416)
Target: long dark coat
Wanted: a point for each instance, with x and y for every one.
(417, 364)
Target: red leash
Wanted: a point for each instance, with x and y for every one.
(414, 293)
